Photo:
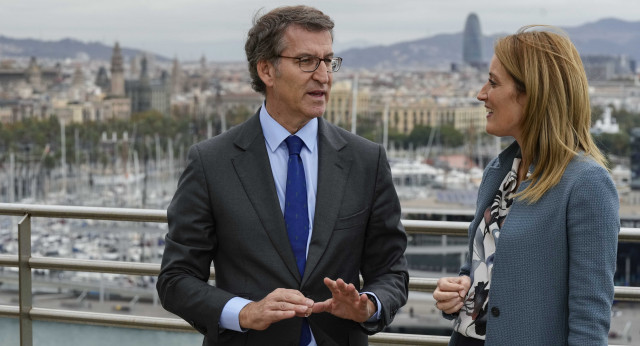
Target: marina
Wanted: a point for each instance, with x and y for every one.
(426, 192)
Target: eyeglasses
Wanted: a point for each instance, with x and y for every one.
(311, 63)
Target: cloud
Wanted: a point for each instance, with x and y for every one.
(218, 29)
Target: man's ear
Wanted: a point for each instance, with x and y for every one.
(266, 71)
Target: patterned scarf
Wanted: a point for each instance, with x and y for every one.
(472, 319)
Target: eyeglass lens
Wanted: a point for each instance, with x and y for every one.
(310, 64)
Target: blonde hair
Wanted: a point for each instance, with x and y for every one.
(557, 115)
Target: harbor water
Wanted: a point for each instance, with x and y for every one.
(65, 334)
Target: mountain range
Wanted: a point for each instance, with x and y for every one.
(605, 36)
(67, 48)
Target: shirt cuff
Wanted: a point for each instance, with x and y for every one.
(376, 316)
(230, 317)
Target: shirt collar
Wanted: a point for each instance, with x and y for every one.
(275, 134)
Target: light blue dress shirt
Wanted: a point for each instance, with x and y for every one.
(274, 135)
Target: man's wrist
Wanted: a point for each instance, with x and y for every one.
(243, 316)
(374, 301)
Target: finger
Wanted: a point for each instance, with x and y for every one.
(454, 309)
(348, 291)
(286, 300)
(332, 285)
(295, 297)
(465, 281)
(364, 302)
(336, 287)
(319, 307)
(257, 316)
(275, 316)
(286, 306)
(341, 285)
(450, 305)
(442, 296)
(353, 291)
(448, 284)
(306, 313)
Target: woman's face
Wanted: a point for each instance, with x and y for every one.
(505, 106)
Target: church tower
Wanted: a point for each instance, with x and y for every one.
(34, 75)
(117, 72)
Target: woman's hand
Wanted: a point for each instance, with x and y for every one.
(450, 293)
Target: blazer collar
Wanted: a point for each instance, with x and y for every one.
(334, 163)
(254, 171)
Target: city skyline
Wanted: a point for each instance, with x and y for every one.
(190, 29)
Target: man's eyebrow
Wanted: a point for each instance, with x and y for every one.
(328, 55)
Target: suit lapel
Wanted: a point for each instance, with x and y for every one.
(333, 170)
(254, 171)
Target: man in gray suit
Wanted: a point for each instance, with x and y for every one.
(281, 280)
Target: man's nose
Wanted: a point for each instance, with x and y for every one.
(322, 74)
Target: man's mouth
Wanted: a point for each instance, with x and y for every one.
(317, 93)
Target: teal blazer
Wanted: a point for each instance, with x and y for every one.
(554, 263)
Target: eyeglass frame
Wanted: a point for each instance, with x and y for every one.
(318, 59)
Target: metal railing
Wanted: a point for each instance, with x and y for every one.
(26, 262)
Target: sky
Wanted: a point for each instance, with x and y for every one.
(216, 29)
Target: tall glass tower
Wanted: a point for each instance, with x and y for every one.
(472, 42)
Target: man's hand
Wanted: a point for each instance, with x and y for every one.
(278, 305)
(346, 302)
(451, 292)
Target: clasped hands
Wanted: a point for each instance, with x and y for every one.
(346, 302)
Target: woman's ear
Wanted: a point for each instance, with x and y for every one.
(266, 72)
(521, 98)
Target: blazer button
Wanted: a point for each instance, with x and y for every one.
(495, 311)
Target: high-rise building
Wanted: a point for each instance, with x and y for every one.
(472, 42)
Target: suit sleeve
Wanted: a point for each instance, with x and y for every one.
(384, 267)
(593, 224)
(190, 247)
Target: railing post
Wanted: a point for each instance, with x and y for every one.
(24, 278)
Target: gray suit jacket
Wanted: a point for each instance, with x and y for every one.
(226, 210)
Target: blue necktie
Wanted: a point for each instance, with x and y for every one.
(296, 216)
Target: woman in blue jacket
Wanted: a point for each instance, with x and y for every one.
(543, 241)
